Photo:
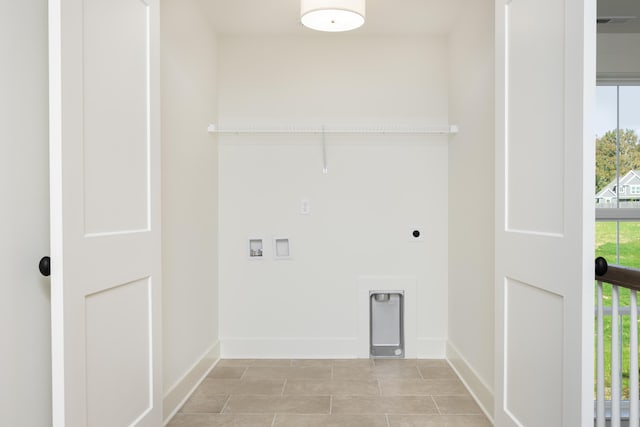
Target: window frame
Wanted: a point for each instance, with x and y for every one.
(617, 213)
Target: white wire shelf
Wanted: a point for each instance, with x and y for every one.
(426, 130)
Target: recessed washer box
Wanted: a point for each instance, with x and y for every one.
(256, 248)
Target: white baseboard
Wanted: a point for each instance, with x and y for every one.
(481, 392)
(317, 348)
(431, 348)
(288, 348)
(185, 386)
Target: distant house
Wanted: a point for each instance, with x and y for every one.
(629, 191)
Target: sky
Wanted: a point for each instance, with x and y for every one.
(606, 108)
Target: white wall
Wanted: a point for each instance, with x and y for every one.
(189, 198)
(362, 212)
(471, 201)
(25, 325)
(618, 56)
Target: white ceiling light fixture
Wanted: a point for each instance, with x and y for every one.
(332, 15)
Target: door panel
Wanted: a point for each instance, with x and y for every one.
(118, 351)
(105, 236)
(535, 60)
(115, 109)
(527, 377)
(545, 83)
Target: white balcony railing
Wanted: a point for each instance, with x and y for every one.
(614, 411)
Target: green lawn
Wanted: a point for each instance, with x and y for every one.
(629, 256)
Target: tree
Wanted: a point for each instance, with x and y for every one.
(606, 156)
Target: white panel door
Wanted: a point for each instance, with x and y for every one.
(545, 85)
(105, 237)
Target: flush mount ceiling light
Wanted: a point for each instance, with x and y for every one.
(332, 15)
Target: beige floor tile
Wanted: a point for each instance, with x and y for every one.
(310, 372)
(331, 387)
(437, 372)
(457, 405)
(200, 401)
(432, 363)
(395, 362)
(301, 372)
(343, 392)
(353, 363)
(271, 362)
(221, 420)
(397, 371)
(278, 404)
(273, 372)
(353, 373)
(227, 372)
(213, 386)
(383, 405)
(311, 362)
(438, 421)
(399, 387)
(292, 420)
(234, 362)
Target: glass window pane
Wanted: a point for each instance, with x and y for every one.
(617, 148)
(619, 242)
(606, 136)
(630, 108)
(606, 109)
(629, 246)
(607, 241)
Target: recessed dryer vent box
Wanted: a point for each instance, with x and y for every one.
(386, 311)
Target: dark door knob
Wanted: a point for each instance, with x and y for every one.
(45, 266)
(601, 266)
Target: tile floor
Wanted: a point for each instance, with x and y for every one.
(309, 393)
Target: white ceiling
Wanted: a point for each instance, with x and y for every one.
(382, 16)
(283, 16)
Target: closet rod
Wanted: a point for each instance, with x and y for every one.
(441, 130)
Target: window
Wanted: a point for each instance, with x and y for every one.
(618, 167)
(618, 218)
(618, 152)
